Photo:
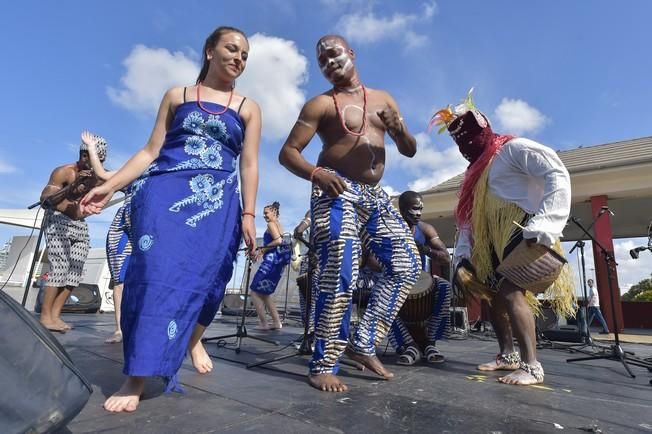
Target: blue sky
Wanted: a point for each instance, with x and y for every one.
(562, 73)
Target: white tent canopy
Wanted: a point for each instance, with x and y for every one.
(26, 218)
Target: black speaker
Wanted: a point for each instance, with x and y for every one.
(564, 334)
(85, 298)
(42, 389)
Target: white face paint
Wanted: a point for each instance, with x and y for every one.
(334, 59)
(304, 123)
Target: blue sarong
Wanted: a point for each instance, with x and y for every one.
(186, 229)
(271, 269)
(118, 244)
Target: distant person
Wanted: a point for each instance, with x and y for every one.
(66, 234)
(593, 308)
(275, 257)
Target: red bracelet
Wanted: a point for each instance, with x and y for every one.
(244, 213)
(315, 170)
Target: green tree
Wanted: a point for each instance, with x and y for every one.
(642, 291)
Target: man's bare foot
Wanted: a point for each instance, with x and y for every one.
(278, 326)
(200, 359)
(53, 326)
(521, 378)
(128, 397)
(262, 328)
(327, 383)
(371, 362)
(500, 364)
(115, 338)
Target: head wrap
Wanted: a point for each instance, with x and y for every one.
(100, 147)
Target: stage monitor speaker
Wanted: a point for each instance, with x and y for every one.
(548, 320)
(85, 298)
(460, 318)
(42, 389)
(564, 334)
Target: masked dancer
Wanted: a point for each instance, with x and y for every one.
(514, 202)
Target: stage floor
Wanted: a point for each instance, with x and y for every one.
(595, 396)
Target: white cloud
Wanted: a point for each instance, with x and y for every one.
(149, 73)
(429, 166)
(367, 28)
(517, 116)
(7, 168)
(390, 190)
(275, 72)
(274, 75)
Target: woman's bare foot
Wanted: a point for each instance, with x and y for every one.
(53, 326)
(115, 338)
(371, 362)
(521, 378)
(200, 359)
(278, 326)
(128, 397)
(327, 383)
(61, 323)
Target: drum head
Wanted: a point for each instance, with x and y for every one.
(422, 285)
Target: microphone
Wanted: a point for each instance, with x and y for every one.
(605, 209)
(635, 252)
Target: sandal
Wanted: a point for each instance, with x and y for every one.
(433, 355)
(409, 357)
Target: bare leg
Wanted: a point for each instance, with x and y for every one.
(271, 306)
(128, 397)
(503, 329)
(522, 321)
(116, 337)
(59, 301)
(47, 319)
(327, 383)
(260, 310)
(200, 358)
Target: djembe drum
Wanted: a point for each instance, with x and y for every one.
(418, 307)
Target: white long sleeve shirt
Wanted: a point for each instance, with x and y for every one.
(533, 177)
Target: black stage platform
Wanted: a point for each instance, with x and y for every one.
(592, 396)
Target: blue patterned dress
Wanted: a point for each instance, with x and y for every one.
(271, 269)
(186, 229)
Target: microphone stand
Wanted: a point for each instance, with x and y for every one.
(614, 352)
(305, 348)
(241, 329)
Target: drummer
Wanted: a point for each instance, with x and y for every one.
(411, 346)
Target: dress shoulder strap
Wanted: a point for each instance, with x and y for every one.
(241, 103)
(184, 93)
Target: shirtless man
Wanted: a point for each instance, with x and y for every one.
(350, 209)
(66, 234)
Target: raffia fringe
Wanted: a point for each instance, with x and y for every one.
(493, 227)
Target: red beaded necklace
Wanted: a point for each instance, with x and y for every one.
(363, 128)
(205, 109)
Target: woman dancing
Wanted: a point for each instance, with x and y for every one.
(276, 256)
(186, 217)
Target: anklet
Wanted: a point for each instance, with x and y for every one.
(510, 359)
(534, 369)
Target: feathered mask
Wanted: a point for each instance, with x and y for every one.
(445, 117)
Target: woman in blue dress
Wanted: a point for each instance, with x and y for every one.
(186, 217)
(276, 256)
